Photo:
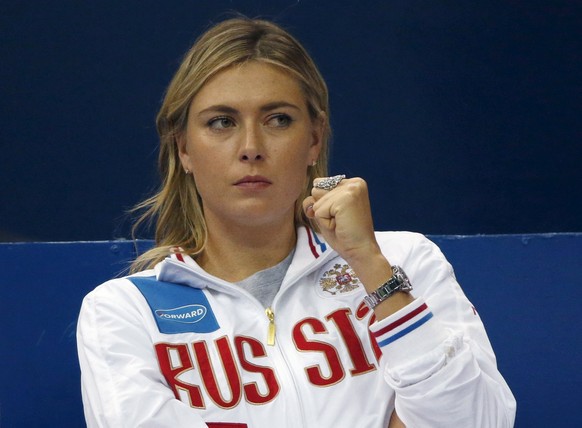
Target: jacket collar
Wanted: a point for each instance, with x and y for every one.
(310, 251)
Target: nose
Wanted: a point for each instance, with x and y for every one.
(252, 148)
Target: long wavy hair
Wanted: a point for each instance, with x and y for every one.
(176, 208)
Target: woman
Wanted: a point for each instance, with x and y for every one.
(269, 300)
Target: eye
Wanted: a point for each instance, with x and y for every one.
(221, 122)
(280, 120)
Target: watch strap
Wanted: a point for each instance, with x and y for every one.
(397, 282)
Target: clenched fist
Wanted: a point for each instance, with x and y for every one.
(344, 218)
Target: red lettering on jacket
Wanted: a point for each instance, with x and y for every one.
(315, 373)
(252, 392)
(230, 370)
(172, 368)
(226, 388)
(342, 320)
(225, 425)
(361, 312)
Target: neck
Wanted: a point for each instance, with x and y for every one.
(234, 253)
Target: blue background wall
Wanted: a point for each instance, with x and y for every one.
(465, 113)
(527, 289)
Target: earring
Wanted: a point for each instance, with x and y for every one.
(314, 163)
(187, 171)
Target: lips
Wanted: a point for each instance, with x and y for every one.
(254, 181)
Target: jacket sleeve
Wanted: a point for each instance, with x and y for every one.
(121, 382)
(436, 354)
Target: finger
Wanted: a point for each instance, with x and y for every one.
(322, 209)
(323, 212)
(308, 203)
(328, 183)
(321, 218)
(326, 224)
(318, 192)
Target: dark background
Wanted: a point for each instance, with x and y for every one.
(464, 117)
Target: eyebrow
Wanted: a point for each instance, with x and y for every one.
(222, 108)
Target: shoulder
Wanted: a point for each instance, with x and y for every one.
(400, 236)
(413, 251)
(117, 291)
(405, 242)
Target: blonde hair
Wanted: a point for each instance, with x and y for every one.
(177, 207)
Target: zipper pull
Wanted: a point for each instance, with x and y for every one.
(271, 333)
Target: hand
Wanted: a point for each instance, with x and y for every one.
(344, 218)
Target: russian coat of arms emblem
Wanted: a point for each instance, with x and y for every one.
(339, 279)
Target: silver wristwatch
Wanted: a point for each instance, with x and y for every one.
(397, 282)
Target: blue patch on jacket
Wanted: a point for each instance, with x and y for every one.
(177, 308)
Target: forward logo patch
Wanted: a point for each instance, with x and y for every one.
(177, 308)
(186, 314)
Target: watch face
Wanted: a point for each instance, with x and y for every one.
(402, 281)
(405, 282)
(398, 282)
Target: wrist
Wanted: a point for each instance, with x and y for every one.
(393, 304)
(391, 295)
(364, 254)
(372, 270)
(397, 283)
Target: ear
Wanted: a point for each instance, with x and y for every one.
(317, 134)
(182, 145)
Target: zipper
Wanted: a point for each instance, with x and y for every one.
(298, 396)
(271, 332)
(271, 314)
(268, 311)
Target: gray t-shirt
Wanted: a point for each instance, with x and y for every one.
(265, 284)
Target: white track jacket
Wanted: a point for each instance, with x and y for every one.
(177, 347)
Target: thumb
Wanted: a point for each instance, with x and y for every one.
(308, 206)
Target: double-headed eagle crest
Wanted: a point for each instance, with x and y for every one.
(340, 279)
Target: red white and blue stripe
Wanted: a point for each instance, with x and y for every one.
(402, 323)
(316, 246)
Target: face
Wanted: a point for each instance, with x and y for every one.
(249, 142)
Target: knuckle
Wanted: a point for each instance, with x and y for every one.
(360, 183)
(357, 186)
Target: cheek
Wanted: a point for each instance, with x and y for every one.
(206, 167)
(298, 151)
(296, 167)
(293, 162)
(205, 156)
